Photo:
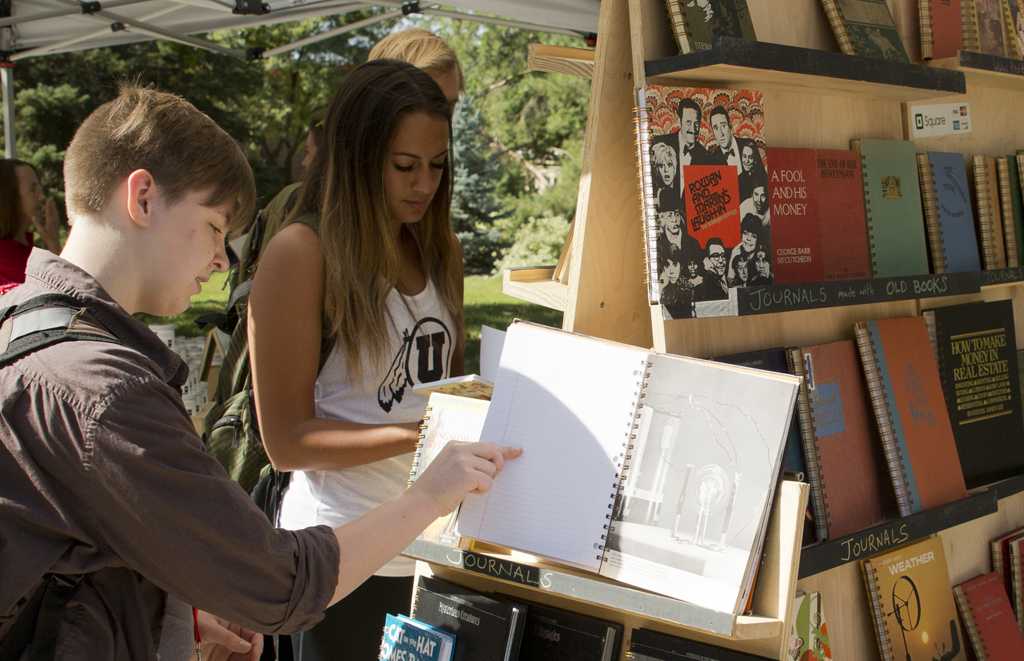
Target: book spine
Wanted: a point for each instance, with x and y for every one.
(967, 615)
(886, 431)
(970, 32)
(1006, 204)
(835, 20)
(931, 213)
(869, 219)
(677, 18)
(997, 558)
(647, 201)
(924, 17)
(805, 412)
(625, 457)
(417, 457)
(885, 646)
(981, 192)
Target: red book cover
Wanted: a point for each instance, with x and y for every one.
(796, 223)
(989, 621)
(840, 201)
(946, 34)
(850, 467)
(1001, 556)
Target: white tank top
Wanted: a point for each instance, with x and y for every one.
(421, 343)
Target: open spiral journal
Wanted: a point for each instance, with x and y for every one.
(650, 469)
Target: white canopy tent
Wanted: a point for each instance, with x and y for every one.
(35, 28)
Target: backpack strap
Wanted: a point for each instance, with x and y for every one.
(43, 321)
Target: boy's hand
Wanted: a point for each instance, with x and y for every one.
(462, 468)
(223, 641)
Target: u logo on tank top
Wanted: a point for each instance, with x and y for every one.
(424, 355)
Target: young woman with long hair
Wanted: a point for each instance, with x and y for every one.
(368, 259)
(22, 206)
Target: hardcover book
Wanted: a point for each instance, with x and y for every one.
(906, 397)
(406, 639)
(988, 618)
(912, 605)
(808, 637)
(707, 218)
(991, 32)
(1000, 547)
(553, 634)
(682, 454)
(469, 385)
(648, 645)
(865, 28)
(892, 202)
(1011, 208)
(977, 355)
(817, 194)
(488, 629)
(845, 468)
(775, 360)
(988, 212)
(941, 34)
(696, 23)
(446, 418)
(1016, 558)
(948, 216)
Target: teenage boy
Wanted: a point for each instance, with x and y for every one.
(107, 499)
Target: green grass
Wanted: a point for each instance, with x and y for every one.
(485, 305)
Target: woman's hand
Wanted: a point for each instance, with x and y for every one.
(47, 224)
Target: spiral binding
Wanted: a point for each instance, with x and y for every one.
(1013, 45)
(890, 446)
(622, 469)
(866, 181)
(680, 28)
(981, 191)
(931, 213)
(647, 202)
(970, 34)
(414, 471)
(1018, 589)
(812, 453)
(1006, 201)
(967, 615)
(924, 17)
(877, 612)
(835, 20)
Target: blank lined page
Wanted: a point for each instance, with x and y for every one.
(569, 402)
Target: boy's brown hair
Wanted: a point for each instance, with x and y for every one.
(181, 147)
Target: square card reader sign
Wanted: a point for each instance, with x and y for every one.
(930, 121)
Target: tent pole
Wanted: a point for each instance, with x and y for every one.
(7, 80)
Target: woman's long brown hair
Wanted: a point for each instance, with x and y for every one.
(345, 188)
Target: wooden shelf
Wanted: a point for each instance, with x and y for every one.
(561, 59)
(736, 62)
(986, 70)
(833, 553)
(534, 284)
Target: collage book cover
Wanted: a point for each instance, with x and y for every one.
(706, 204)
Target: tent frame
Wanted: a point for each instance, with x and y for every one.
(99, 12)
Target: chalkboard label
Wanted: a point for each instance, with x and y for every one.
(499, 568)
(1002, 276)
(991, 63)
(883, 537)
(786, 298)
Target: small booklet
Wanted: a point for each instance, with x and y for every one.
(651, 469)
(406, 639)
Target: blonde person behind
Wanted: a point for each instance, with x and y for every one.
(369, 258)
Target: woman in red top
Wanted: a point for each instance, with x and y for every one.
(21, 207)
